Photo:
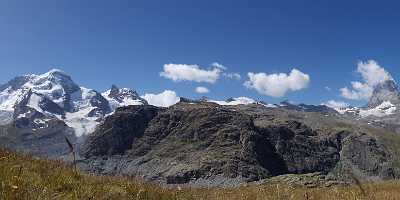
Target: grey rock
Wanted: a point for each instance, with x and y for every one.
(386, 91)
(205, 144)
(117, 133)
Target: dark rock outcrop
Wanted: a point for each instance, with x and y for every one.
(118, 132)
(364, 157)
(205, 143)
(302, 149)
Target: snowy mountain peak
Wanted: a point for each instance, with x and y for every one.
(55, 95)
(234, 101)
(118, 97)
(383, 109)
(385, 91)
(120, 93)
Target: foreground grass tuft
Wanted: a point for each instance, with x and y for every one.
(24, 177)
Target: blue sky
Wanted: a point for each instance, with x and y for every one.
(128, 42)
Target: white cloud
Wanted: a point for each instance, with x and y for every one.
(164, 99)
(202, 90)
(235, 76)
(218, 65)
(359, 91)
(372, 74)
(276, 85)
(336, 104)
(184, 72)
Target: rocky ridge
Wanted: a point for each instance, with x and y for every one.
(209, 144)
(201, 142)
(55, 95)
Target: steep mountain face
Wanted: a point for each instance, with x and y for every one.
(56, 96)
(385, 92)
(118, 132)
(383, 103)
(383, 109)
(208, 144)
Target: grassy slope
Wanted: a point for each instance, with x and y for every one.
(24, 177)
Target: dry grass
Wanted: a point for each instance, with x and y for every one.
(24, 177)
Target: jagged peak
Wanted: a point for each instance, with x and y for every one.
(114, 88)
(384, 91)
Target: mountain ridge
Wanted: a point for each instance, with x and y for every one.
(55, 94)
(200, 142)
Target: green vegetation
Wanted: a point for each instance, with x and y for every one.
(25, 177)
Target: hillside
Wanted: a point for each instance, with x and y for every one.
(25, 177)
(206, 144)
(200, 142)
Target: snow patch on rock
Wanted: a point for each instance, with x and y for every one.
(235, 101)
(384, 109)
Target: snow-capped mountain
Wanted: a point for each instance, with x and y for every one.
(385, 100)
(118, 97)
(385, 92)
(305, 107)
(384, 109)
(54, 95)
(235, 101)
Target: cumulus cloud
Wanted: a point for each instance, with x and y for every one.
(184, 72)
(202, 90)
(372, 74)
(277, 85)
(359, 91)
(164, 99)
(336, 104)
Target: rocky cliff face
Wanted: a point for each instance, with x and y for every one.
(205, 143)
(386, 91)
(119, 131)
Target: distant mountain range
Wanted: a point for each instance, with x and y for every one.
(203, 141)
(56, 96)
